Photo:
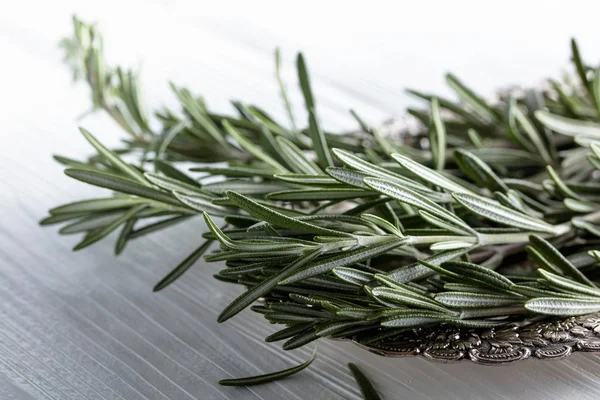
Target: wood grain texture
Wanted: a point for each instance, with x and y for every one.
(86, 325)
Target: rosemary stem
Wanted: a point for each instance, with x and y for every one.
(499, 238)
(415, 240)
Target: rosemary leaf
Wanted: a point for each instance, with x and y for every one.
(296, 158)
(124, 236)
(183, 266)
(568, 126)
(100, 233)
(379, 246)
(366, 387)
(274, 376)
(117, 183)
(114, 159)
(96, 205)
(172, 172)
(492, 210)
(254, 293)
(275, 218)
(562, 306)
(551, 255)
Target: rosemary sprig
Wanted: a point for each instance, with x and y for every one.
(486, 216)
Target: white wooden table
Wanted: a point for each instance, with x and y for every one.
(86, 325)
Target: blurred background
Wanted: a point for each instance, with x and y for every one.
(86, 325)
(361, 56)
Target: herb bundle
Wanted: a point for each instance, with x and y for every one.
(488, 214)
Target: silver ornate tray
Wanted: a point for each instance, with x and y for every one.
(546, 340)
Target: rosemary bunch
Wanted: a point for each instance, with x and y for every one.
(488, 214)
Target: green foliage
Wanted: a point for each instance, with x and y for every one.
(354, 235)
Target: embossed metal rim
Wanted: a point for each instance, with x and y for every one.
(548, 339)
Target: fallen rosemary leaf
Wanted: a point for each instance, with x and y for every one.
(366, 387)
(266, 378)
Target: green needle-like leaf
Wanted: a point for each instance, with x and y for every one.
(57, 219)
(235, 171)
(471, 323)
(554, 257)
(276, 218)
(252, 148)
(568, 284)
(414, 199)
(375, 171)
(429, 175)
(124, 236)
(251, 246)
(318, 140)
(327, 330)
(283, 91)
(353, 276)
(580, 68)
(114, 159)
(172, 172)
(192, 106)
(320, 194)
(596, 89)
(365, 386)
(409, 299)
(245, 186)
(289, 332)
(296, 158)
(480, 172)
(300, 340)
(403, 287)
(172, 184)
(305, 82)
(475, 300)
(494, 211)
(100, 233)
(441, 223)
(418, 271)
(383, 224)
(562, 306)
(117, 183)
(413, 319)
(260, 289)
(378, 247)
(274, 376)
(202, 203)
(560, 185)
(309, 180)
(474, 272)
(437, 137)
(469, 98)
(532, 134)
(96, 205)
(166, 138)
(90, 222)
(344, 175)
(568, 126)
(355, 313)
(183, 266)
